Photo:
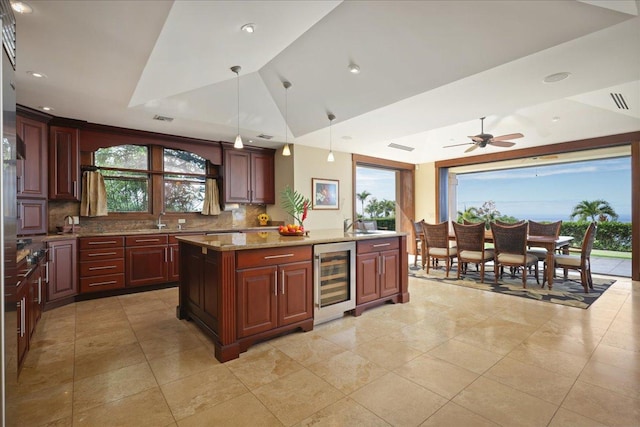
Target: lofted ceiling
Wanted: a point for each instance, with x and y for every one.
(428, 70)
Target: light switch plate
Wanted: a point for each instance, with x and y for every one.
(76, 220)
(182, 221)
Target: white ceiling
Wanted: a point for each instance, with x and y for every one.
(429, 70)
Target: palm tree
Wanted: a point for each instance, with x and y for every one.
(469, 214)
(594, 210)
(388, 207)
(362, 197)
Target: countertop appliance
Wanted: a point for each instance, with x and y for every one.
(334, 277)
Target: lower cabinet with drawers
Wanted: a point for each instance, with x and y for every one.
(102, 264)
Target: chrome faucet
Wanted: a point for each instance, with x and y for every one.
(160, 224)
(347, 224)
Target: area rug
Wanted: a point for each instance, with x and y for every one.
(566, 292)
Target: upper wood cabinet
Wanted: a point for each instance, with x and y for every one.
(31, 176)
(64, 167)
(248, 177)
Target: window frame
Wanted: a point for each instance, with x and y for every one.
(156, 182)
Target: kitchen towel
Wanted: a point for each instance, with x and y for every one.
(211, 205)
(94, 195)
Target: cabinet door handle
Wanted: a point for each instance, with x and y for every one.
(146, 240)
(382, 266)
(39, 290)
(275, 283)
(46, 272)
(107, 267)
(171, 252)
(278, 256)
(23, 320)
(110, 282)
(105, 242)
(103, 254)
(166, 258)
(282, 283)
(379, 245)
(75, 188)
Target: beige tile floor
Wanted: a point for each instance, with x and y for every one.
(451, 357)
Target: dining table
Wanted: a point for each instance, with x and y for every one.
(550, 243)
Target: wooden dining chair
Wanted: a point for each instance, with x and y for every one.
(581, 263)
(510, 246)
(470, 247)
(551, 229)
(418, 245)
(436, 240)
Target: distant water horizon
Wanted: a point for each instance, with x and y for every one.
(551, 218)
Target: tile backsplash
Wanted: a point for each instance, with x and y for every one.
(242, 216)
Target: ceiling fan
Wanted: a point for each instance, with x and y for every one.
(482, 139)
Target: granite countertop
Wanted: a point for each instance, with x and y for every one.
(270, 239)
(64, 236)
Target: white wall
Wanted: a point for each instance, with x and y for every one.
(311, 163)
(425, 192)
(283, 177)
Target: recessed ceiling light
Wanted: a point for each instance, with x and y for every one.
(557, 77)
(37, 74)
(21, 7)
(45, 108)
(555, 119)
(248, 28)
(354, 69)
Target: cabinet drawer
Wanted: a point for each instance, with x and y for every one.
(100, 268)
(147, 240)
(101, 242)
(101, 283)
(377, 245)
(272, 256)
(98, 254)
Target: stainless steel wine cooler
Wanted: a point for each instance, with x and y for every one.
(334, 273)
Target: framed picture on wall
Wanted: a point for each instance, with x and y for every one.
(326, 193)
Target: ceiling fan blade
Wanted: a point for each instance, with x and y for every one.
(473, 147)
(502, 143)
(475, 138)
(506, 137)
(457, 145)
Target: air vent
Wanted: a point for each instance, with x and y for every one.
(619, 100)
(400, 147)
(163, 118)
(263, 136)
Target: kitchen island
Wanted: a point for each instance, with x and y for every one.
(242, 288)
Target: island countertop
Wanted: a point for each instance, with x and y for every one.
(271, 239)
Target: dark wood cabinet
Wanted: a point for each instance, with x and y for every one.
(377, 271)
(146, 260)
(32, 216)
(271, 295)
(64, 167)
(61, 269)
(102, 263)
(31, 172)
(248, 177)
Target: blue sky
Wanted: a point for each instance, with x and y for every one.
(550, 192)
(538, 193)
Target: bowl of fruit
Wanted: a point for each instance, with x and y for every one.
(291, 230)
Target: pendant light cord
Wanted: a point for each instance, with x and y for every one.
(238, 86)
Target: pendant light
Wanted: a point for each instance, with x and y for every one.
(285, 150)
(330, 157)
(238, 142)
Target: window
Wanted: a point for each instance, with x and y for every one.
(136, 180)
(127, 189)
(184, 189)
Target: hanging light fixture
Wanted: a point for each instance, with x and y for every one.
(238, 142)
(330, 157)
(285, 150)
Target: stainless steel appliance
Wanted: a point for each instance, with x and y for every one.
(8, 208)
(334, 275)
